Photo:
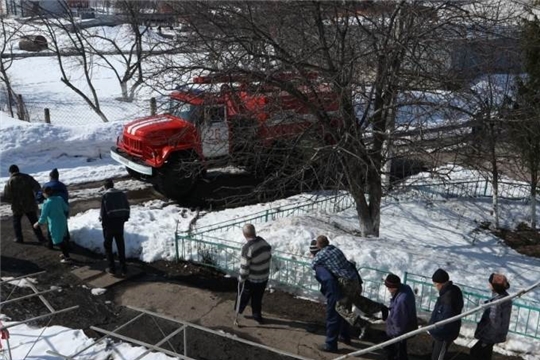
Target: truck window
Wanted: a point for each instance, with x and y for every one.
(185, 111)
(214, 114)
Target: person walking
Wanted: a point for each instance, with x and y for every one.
(54, 213)
(449, 304)
(401, 317)
(493, 326)
(59, 189)
(20, 190)
(350, 284)
(254, 272)
(336, 327)
(113, 214)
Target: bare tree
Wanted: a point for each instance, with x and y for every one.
(9, 32)
(130, 51)
(58, 28)
(523, 123)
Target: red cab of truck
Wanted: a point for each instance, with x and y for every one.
(210, 124)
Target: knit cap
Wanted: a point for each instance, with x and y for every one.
(392, 281)
(54, 174)
(440, 276)
(313, 248)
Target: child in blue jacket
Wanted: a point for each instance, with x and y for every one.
(54, 213)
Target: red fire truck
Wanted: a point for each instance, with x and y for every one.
(221, 119)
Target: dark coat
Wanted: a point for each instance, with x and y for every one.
(495, 321)
(114, 211)
(402, 315)
(59, 189)
(449, 304)
(20, 191)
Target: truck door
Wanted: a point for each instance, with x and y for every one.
(215, 132)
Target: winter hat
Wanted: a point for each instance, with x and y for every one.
(313, 248)
(392, 281)
(440, 276)
(108, 184)
(499, 282)
(54, 174)
(13, 169)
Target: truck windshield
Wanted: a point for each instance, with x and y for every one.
(185, 111)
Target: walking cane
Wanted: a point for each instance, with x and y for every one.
(240, 290)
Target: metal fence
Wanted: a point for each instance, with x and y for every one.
(293, 273)
(332, 204)
(465, 189)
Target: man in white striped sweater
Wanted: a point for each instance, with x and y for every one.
(254, 271)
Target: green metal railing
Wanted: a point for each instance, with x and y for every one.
(293, 273)
(289, 271)
(466, 189)
(525, 313)
(332, 204)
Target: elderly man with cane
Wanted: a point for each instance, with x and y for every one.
(254, 272)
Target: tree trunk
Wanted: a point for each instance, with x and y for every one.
(125, 95)
(534, 181)
(494, 177)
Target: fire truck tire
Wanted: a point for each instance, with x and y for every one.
(178, 176)
(135, 174)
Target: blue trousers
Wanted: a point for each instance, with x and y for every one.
(336, 326)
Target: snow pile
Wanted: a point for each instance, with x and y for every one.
(23, 283)
(81, 154)
(28, 342)
(98, 291)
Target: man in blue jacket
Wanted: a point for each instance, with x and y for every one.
(401, 317)
(336, 327)
(449, 304)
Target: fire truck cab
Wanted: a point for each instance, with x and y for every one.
(220, 120)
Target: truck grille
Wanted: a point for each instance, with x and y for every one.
(132, 145)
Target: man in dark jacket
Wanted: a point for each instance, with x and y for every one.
(401, 317)
(59, 189)
(113, 214)
(20, 191)
(449, 304)
(336, 327)
(495, 322)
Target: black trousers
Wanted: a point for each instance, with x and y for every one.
(440, 348)
(64, 247)
(397, 351)
(17, 227)
(120, 245)
(482, 351)
(253, 291)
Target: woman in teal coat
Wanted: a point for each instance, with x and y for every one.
(54, 212)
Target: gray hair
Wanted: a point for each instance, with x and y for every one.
(249, 231)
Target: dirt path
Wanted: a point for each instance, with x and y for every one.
(180, 290)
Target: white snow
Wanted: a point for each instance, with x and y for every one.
(98, 291)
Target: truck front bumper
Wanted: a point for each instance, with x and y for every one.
(131, 162)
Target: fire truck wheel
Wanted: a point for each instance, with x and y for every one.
(178, 176)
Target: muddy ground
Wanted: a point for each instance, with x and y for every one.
(181, 290)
